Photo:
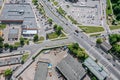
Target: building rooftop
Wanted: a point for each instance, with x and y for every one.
(42, 71)
(71, 69)
(95, 69)
(19, 12)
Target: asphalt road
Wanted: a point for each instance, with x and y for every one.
(84, 41)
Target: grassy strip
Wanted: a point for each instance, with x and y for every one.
(109, 8)
(59, 38)
(55, 3)
(61, 11)
(52, 35)
(25, 57)
(114, 27)
(72, 20)
(96, 35)
(62, 35)
(40, 8)
(41, 38)
(91, 29)
(17, 44)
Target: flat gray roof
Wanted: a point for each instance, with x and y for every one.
(95, 69)
(71, 68)
(42, 71)
(19, 12)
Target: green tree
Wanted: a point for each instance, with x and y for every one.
(6, 45)
(114, 38)
(75, 45)
(15, 47)
(61, 11)
(77, 51)
(22, 41)
(8, 72)
(55, 26)
(35, 2)
(116, 9)
(11, 47)
(1, 45)
(1, 39)
(99, 41)
(93, 78)
(58, 30)
(36, 38)
(50, 20)
(116, 48)
(118, 16)
(27, 42)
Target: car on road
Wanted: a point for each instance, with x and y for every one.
(76, 31)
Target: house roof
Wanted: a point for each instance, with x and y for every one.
(95, 69)
(41, 72)
(71, 69)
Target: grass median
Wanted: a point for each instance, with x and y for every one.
(95, 35)
(54, 35)
(113, 27)
(91, 29)
(109, 8)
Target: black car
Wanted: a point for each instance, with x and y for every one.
(76, 31)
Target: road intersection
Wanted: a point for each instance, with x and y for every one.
(83, 41)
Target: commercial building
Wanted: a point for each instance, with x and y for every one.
(21, 13)
(71, 69)
(98, 71)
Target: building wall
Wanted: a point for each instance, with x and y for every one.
(29, 33)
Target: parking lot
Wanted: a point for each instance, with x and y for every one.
(6, 32)
(86, 12)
